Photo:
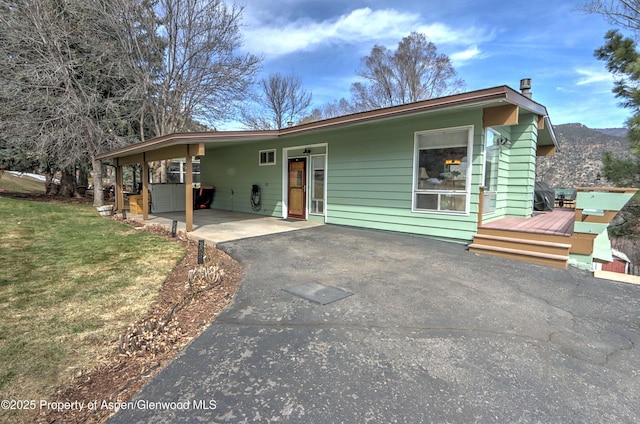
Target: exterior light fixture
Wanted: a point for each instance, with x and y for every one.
(504, 141)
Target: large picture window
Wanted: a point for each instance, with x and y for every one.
(442, 170)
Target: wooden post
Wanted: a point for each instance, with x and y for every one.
(119, 187)
(480, 205)
(188, 186)
(145, 188)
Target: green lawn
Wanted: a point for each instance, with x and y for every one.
(70, 282)
(20, 184)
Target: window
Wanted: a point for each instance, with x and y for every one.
(442, 170)
(267, 157)
(317, 184)
(491, 162)
(176, 171)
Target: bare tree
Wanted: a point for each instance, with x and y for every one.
(330, 110)
(78, 78)
(414, 71)
(282, 100)
(625, 13)
(63, 87)
(199, 77)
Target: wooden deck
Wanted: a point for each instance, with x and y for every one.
(558, 222)
(545, 238)
(549, 238)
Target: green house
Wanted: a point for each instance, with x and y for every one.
(447, 168)
(415, 168)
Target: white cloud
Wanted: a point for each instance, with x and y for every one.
(460, 58)
(562, 89)
(589, 76)
(362, 25)
(441, 34)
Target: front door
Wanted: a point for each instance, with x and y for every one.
(297, 188)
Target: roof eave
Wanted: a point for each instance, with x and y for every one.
(477, 98)
(187, 138)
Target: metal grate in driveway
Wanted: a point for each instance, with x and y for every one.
(318, 293)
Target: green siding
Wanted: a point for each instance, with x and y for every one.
(589, 227)
(234, 169)
(601, 252)
(502, 198)
(370, 178)
(521, 167)
(369, 174)
(602, 247)
(581, 261)
(598, 200)
(516, 175)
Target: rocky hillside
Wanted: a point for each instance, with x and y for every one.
(578, 162)
(618, 132)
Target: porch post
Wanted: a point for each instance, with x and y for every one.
(145, 188)
(119, 187)
(188, 186)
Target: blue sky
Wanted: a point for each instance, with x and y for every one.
(491, 43)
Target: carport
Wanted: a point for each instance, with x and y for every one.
(181, 145)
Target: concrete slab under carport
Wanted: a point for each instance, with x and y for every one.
(217, 226)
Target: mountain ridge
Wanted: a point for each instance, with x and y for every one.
(578, 161)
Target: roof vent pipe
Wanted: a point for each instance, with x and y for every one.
(525, 87)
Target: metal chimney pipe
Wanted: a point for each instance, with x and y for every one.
(525, 87)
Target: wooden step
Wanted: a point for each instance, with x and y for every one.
(539, 246)
(556, 261)
(541, 252)
(554, 238)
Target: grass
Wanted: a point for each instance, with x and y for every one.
(70, 282)
(18, 184)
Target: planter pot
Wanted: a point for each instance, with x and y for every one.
(106, 210)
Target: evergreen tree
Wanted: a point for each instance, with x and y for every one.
(623, 61)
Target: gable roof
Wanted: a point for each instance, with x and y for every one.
(496, 96)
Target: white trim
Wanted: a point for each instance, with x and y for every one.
(285, 177)
(182, 172)
(484, 168)
(275, 157)
(416, 165)
(324, 191)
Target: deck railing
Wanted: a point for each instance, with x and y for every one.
(595, 209)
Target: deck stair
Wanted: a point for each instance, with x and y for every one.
(543, 249)
(552, 237)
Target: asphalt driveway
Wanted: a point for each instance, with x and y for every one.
(432, 333)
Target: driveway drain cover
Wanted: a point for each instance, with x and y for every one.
(318, 293)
